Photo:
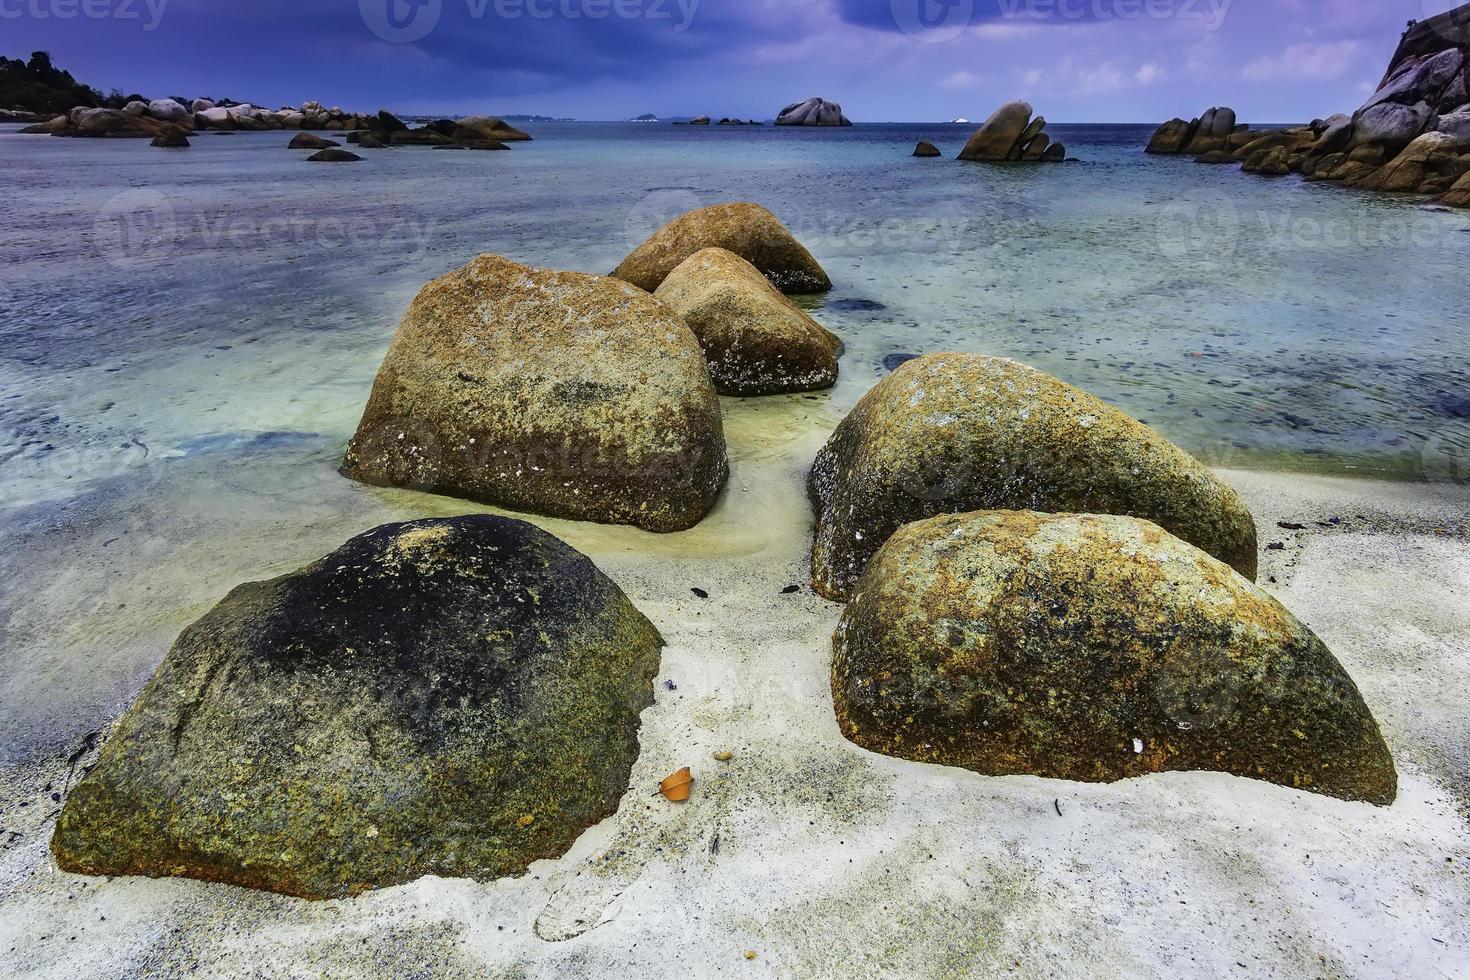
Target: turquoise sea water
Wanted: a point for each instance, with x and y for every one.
(187, 337)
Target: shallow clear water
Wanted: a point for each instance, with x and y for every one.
(187, 337)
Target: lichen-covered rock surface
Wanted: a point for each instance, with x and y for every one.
(551, 392)
(950, 433)
(448, 697)
(748, 230)
(1092, 648)
(757, 341)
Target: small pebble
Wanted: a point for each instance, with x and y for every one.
(724, 755)
(701, 593)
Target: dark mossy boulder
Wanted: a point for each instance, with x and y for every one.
(755, 340)
(950, 433)
(748, 230)
(927, 149)
(449, 697)
(551, 392)
(1092, 648)
(310, 141)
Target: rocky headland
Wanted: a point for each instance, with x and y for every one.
(812, 112)
(1412, 136)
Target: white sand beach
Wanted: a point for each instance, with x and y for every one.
(803, 856)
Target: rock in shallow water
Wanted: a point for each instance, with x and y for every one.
(950, 433)
(449, 697)
(1093, 649)
(552, 392)
(757, 342)
(748, 230)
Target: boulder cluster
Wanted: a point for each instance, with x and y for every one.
(1412, 136)
(812, 112)
(1039, 584)
(1035, 584)
(591, 397)
(1011, 134)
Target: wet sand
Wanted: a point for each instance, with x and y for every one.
(820, 858)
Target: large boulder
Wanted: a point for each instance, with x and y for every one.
(1273, 162)
(200, 105)
(1092, 648)
(1429, 155)
(170, 111)
(487, 128)
(115, 124)
(1213, 131)
(1391, 124)
(552, 392)
(1172, 137)
(55, 126)
(812, 112)
(757, 342)
(216, 118)
(448, 697)
(950, 433)
(1423, 79)
(1456, 124)
(927, 149)
(1458, 196)
(1000, 134)
(748, 230)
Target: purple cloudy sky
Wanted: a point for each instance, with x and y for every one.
(920, 60)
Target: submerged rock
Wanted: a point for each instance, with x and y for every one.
(332, 155)
(950, 433)
(1092, 648)
(310, 141)
(748, 230)
(812, 112)
(557, 393)
(173, 141)
(448, 697)
(757, 342)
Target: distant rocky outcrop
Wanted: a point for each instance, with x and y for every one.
(812, 112)
(447, 697)
(1011, 134)
(958, 432)
(757, 341)
(1411, 136)
(1092, 648)
(550, 392)
(748, 230)
(169, 117)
